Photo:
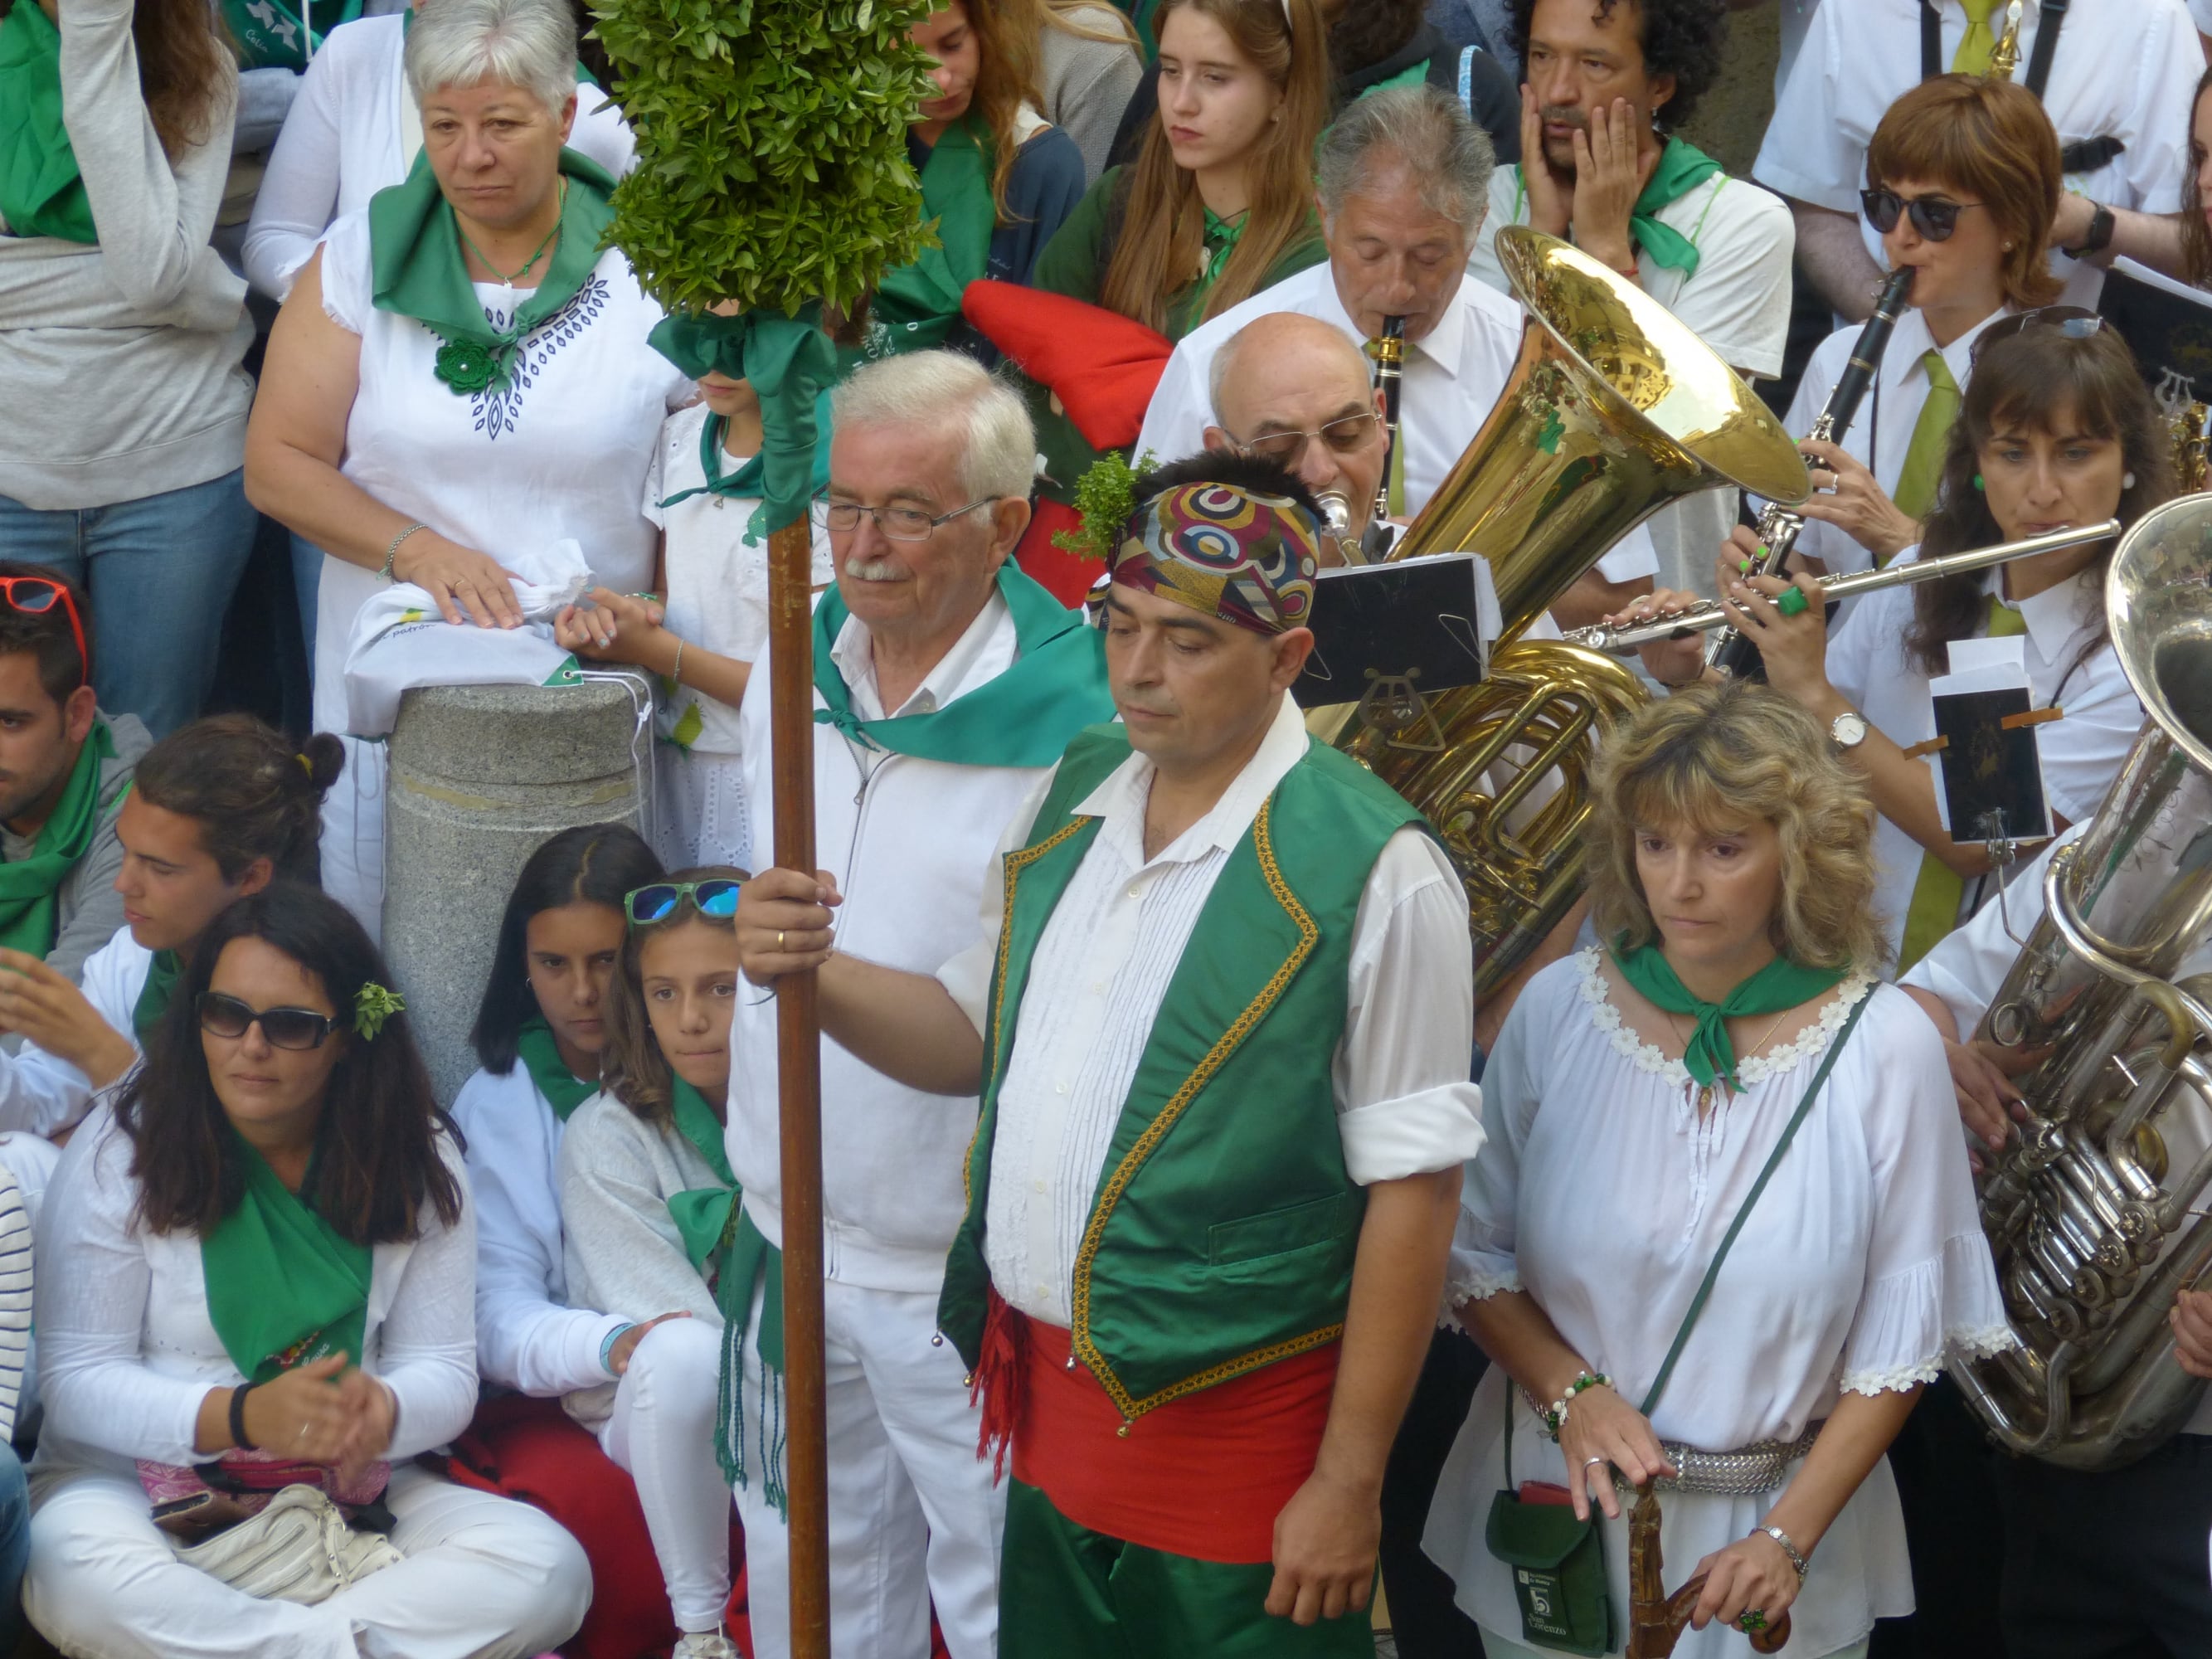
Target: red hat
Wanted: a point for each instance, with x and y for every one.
(1101, 367)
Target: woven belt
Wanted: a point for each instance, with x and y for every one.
(1747, 1472)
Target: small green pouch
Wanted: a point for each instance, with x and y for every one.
(1558, 1564)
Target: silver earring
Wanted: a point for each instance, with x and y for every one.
(2127, 481)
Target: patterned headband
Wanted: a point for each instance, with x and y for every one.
(1247, 558)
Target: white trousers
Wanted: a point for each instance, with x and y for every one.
(913, 1514)
(352, 846)
(663, 1432)
(483, 1577)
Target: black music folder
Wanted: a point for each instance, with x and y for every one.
(1414, 625)
(1992, 773)
(2168, 325)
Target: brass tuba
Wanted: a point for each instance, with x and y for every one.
(2094, 1208)
(1612, 409)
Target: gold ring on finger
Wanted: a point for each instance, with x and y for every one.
(778, 939)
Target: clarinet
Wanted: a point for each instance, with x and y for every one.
(1390, 352)
(1733, 654)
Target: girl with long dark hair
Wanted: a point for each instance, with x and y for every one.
(2056, 430)
(647, 1199)
(253, 1305)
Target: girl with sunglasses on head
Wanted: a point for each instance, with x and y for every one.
(1963, 178)
(540, 1032)
(218, 809)
(253, 1302)
(647, 1199)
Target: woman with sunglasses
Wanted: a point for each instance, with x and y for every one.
(539, 1031)
(255, 1279)
(1964, 177)
(2056, 430)
(647, 1199)
(219, 809)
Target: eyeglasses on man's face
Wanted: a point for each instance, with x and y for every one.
(1346, 435)
(899, 522)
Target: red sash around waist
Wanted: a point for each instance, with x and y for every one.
(1203, 1476)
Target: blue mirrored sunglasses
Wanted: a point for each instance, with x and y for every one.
(658, 901)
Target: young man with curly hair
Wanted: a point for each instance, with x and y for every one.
(1605, 84)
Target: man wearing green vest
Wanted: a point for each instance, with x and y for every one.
(1220, 1019)
(64, 768)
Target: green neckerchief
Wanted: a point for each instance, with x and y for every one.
(1710, 1056)
(30, 913)
(41, 192)
(1682, 168)
(790, 365)
(918, 304)
(540, 1055)
(283, 1288)
(1023, 717)
(161, 976)
(269, 31)
(702, 1215)
(751, 1260)
(414, 253)
(1221, 236)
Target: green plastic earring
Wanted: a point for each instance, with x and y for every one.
(1977, 481)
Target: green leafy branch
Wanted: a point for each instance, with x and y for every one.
(1105, 496)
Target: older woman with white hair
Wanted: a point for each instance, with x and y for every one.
(461, 377)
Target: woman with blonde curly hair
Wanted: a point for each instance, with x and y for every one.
(1723, 1209)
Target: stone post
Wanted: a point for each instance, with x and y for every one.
(480, 775)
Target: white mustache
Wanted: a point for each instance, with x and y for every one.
(881, 569)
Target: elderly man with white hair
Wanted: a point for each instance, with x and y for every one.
(459, 378)
(1404, 179)
(946, 684)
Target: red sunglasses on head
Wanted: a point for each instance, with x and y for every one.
(35, 595)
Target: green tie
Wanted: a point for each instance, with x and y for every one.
(1972, 57)
(1934, 910)
(1923, 459)
(1398, 473)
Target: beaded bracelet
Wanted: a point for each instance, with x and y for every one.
(1554, 1416)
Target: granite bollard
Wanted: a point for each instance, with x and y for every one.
(480, 775)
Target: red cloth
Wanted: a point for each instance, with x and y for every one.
(1101, 366)
(530, 1449)
(1203, 1476)
(1066, 576)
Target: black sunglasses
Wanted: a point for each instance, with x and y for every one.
(225, 1015)
(1932, 218)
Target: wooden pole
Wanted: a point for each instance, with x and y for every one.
(799, 1061)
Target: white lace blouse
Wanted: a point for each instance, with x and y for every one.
(1603, 1195)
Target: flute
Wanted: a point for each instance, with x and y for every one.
(1623, 641)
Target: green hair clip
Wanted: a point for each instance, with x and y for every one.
(1105, 496)
(372, 1006)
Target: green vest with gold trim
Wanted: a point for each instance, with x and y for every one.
(1222, 1235)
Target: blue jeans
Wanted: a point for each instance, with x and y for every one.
(15, 1546)
(160, 571)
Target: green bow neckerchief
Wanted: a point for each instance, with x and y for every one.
(540, 1055)
(1933, 911)
(30, 912)
(918, 304)
(702, 1215)
(790, 365)
(161, 976)
(1221, 236)
(41, 192)
(751, 1260)
(1023, 717)
(1977, 45)
(1919, 479)
(270, 32)
(283, 1288)
(1710, 1056)
(415, 254)
(1682, 168)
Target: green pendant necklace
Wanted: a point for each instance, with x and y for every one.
(511, 280)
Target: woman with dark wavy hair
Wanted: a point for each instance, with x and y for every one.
(254, 1314)
(2056, 430)
(1722, 1231)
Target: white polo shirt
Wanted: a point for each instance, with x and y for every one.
(2125, 70)
(1738, 303)
(1452, 379)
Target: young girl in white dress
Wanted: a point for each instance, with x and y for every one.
(1733, 872)
(646, 1201)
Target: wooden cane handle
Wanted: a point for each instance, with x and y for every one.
(1772, 1637)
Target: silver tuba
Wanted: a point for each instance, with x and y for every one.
(2096, 1209)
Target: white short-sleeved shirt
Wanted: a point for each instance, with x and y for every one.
(1103, 968)
(1604, 1196)
(560, 451)
(1738, 303)
(2081, 752)
(2125, 70)
(1452, 380)
(716, 573)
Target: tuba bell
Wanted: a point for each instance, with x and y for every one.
(2094, 1209)
(1612, 409)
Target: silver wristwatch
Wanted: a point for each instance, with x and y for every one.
(1848, 730)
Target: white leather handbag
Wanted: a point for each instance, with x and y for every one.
(297, 1549)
